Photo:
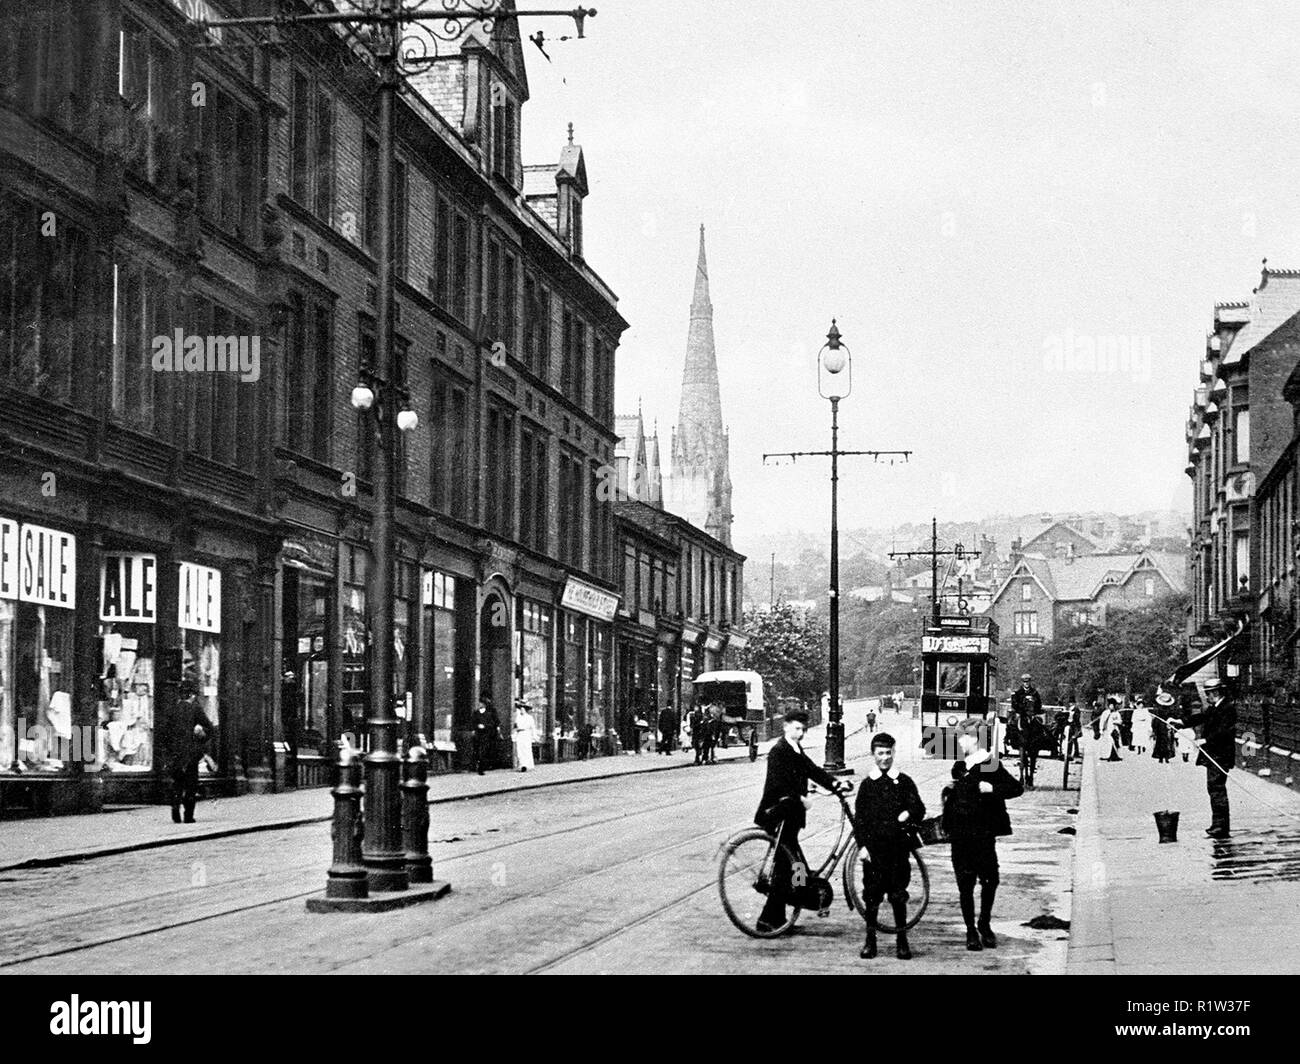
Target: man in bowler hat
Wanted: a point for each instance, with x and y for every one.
(188, 747)
(1218, 724)
(487, 731)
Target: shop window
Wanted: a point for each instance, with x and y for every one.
(40, 639)
(444, 655)
(355, 660)
(535, 655)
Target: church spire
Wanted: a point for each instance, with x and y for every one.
(700, 477)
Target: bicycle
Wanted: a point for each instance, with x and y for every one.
(745, 877)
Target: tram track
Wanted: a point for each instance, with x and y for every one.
(107, 914)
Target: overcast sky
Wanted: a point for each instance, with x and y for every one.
(969, 188)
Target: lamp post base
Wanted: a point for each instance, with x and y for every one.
(834, 755)
(320, 903)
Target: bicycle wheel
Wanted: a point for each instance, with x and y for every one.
(744, 878)
(918, 890)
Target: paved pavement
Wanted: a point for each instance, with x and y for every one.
(32, 842)
(1193, 906)
(600, 875)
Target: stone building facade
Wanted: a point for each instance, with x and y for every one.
(210, 527)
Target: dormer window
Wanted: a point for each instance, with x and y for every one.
(505, 134)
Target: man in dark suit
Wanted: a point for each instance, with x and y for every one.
(699, 726)
(188, 747)
(783, 807)
(974, 815)
(667, 728)
(1026, 709)
(487, 731)
(1218, 754)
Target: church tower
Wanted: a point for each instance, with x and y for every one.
(698, 484)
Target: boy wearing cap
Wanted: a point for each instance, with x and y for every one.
(888, 806)
(974, 815)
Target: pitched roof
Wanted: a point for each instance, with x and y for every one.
(1092, 540)
(1277, 300)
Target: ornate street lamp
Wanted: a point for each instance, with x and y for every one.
(835, 382)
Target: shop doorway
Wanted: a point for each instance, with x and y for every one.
(494, 654)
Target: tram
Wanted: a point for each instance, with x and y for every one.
(958, 679)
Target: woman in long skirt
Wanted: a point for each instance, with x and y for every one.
(524, 732)
(1162, 746)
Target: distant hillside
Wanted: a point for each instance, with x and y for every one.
(802, 567)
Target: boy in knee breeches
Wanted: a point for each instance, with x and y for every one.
(974, 815)
(888, 807)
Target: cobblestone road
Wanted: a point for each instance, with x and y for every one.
(607, 876)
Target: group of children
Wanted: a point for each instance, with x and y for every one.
(887, 812)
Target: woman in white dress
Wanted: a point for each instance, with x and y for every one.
(1141, 727)
(524, 732)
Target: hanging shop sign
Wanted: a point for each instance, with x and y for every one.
(47, 567)
(8, 558)
(199, 595)
(128, 588)
(589, 600)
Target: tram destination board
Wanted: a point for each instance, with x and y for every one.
(955, 644)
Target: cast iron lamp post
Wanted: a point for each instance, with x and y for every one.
(834, 382)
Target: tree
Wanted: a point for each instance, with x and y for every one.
(789, 649)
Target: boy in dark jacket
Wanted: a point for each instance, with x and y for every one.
(887, 808)
(974, 815)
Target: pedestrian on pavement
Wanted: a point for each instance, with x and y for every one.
(667, 728)
(713, 732)
(189, 746)
(887, 809)
(639, 727)
(1162, 733)
(1126, 726)
(487, 732)
(1141, 726)
(974, 815)
(783, 810)
(1218, 724)
(524, 733)
(1074, 730)
(871, 720)
(699, 734)
(1110, 731)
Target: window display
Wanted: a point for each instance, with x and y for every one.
(126, 703)
(440, 598)
(535, 657)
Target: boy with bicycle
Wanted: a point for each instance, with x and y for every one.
(782, 809)
(887, 809)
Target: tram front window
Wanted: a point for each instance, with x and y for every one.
(953, 678)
